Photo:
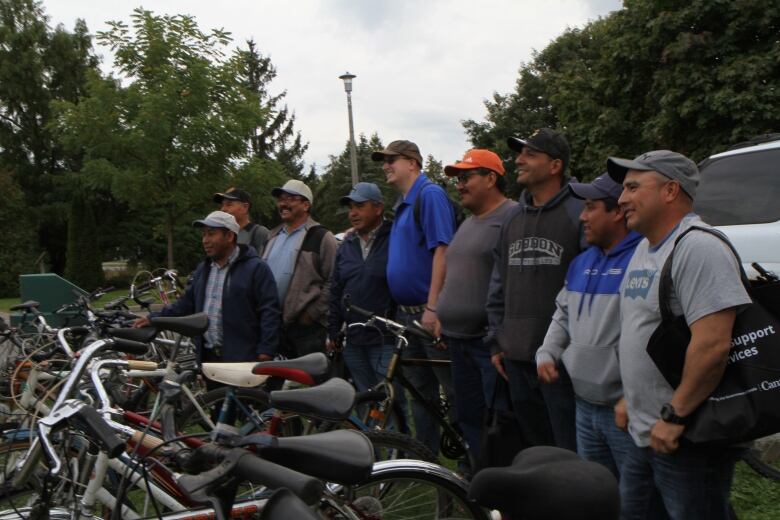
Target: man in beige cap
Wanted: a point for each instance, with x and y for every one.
(300, 253)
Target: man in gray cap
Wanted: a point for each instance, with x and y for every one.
(244, 313)
(300, 253)
(693, 481)
(359, 275)
(585, 328)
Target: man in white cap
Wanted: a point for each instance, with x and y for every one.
(300, 253)
(237, 291)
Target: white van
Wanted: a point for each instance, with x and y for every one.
(740, 194)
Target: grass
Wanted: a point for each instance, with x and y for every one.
(754, 497)
(7, 303)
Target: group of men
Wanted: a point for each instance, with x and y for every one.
(544, 306)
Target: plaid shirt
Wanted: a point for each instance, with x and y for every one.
(213, 302)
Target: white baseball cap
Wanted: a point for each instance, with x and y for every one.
(294, 187)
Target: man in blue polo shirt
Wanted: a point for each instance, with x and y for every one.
(415, 269)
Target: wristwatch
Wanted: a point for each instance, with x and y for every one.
(668, 414)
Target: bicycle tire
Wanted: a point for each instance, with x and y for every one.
(11, 496)
(764, 457)
(397, 420)
(406, 490)
(190, 421)
(394, 445)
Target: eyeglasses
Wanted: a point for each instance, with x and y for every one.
(390, 159)
(463, 178)
(286, 197)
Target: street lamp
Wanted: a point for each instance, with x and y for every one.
(347, 78)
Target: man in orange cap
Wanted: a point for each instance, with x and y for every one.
(461, 312)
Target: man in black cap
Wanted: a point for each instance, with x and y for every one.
(537, 242)
(693, 481)
(238, 203)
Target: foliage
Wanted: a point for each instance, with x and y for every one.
(165, 142)
(39, 65)
(275, 137)
(17, 236)
(83, 267)
(694, 77)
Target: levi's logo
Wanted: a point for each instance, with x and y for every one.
(638, 283)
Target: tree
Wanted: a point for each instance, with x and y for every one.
(276, 137)
(17, 236)
(84, 267)
(39, 65)
(164, 142)
(694, 77)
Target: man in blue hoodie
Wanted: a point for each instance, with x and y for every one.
(585, 329)
(537, 241)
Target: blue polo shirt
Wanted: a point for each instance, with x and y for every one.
(410, 256)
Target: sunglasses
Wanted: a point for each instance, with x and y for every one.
(390, 159)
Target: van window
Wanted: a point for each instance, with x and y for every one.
(740, 189)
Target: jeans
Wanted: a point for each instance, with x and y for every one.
(693, 483)
(475, 378)
(598, 438)
(426, 380)
(545, 411)
(297, 340)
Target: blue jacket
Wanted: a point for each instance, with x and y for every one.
(250, 307)
(365, 281)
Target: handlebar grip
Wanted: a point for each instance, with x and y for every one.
(358, 310)
(259, 471)
(93, 424)
(130, 347)
(283, 504)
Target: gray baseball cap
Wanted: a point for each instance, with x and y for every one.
(219, 219)
(670, 164)
(361, 192)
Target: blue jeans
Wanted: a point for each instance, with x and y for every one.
(544, 411)
(598, 439)
(474, 377)
(693, 483)
(426, 380)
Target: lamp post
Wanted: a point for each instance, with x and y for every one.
(347, 78)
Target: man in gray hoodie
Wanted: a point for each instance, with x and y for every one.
(538, 240)
(585, 328)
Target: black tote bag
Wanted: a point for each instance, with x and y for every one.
(746, 403)
(502, 437)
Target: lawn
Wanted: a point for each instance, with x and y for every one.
(7, 303)
(754, 497)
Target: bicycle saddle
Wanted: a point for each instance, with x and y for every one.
(233, 374)
(191, 325)
(311, 369)
(546, 483)
(341, 456)
(141, 335)
(26, 306)
(331, 401)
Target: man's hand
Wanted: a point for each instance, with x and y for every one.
(547, 372)
(331, 346)
(265, 357)
(429, 321)
(498, 362)
(664, 436)
(621, 414)
(141, 322)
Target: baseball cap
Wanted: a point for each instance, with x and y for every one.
(219, 219)
(361, 192)
(406, 148)
(670, 164)
(545, 140)
(477, 158)
(233, 194)
(602, 187)
(294, 187)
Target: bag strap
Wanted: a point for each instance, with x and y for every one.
(666, 282)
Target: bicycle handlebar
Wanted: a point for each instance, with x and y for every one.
(395, 328)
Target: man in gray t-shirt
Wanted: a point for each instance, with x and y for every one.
(461, 308)
(692, 481)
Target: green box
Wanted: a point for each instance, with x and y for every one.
(52, 292)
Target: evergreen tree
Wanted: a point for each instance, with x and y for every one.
(84, 267)
(17, 236)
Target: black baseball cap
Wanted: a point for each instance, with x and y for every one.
(233, 194)
(545, 140)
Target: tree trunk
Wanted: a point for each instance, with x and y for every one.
(169, 234)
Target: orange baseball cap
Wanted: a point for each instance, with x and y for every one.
(477, 158)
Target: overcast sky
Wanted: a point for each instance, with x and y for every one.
(421, 66)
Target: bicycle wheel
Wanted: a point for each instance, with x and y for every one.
(393, 445)
(407, 490)
(368, 408)
(764, 457)
(249, 414)
(11, 496)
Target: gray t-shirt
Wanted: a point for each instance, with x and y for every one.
(469, 258)
(706, 280)
(254, 235)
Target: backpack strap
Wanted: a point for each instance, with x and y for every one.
(417, 210)
(313, 240)
(665, 284)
